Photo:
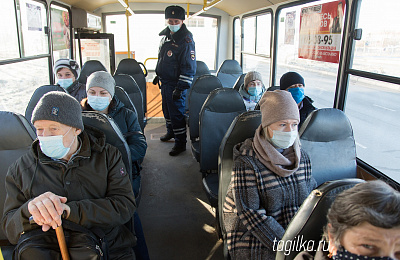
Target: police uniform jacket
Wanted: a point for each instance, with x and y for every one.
(176, 63)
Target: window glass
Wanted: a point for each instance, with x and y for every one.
(237, 39)
(257, 63)
(374, 111)
(33, 22)
(263, 38)
(378, 51)
(94, 49)
(16, 91)
(60, 32)
(9, 34)
(301, 47)
(249, 34)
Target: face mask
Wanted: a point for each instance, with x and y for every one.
(98, 103)
(53, 147)
(297, 94)
(174, 28)
(343, 254)
(283, 139)
(255, 91)
(65, 83)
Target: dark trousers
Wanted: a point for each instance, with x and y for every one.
(174, 113)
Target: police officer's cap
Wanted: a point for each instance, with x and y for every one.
(175, 12)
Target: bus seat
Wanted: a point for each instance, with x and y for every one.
(201, 69)
(138, 71)
(242, 127)
(229, 72)
(37, 95)
(16, 138)
(124, 98)
(217, 114)
(327, 136)
(197, 95)
(307, 224)
(88, 68)
(239, 82)
(128, 83)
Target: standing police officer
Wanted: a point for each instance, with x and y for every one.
(176, 67)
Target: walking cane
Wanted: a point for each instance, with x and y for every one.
(61, 240)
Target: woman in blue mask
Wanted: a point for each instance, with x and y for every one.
(271, 178)
(252, 89)
(67, 73)
(294, 83)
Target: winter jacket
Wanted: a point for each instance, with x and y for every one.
(176, 63)
(260, 204)
(128, 123)
(249, 101)
(305, 109)
(95, 182)
(77, 90)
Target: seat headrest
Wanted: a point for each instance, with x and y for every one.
(128, 66)
(205, 84)
(326, 125)
(88, 68)
(224, 100)
(202, 68)
(16, 133)
(127, 82)
(230, 67)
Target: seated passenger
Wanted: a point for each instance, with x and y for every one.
(67, 73)
(270, 180)
(363, 223)
(252, 89)
(294, 83)
(73, 170)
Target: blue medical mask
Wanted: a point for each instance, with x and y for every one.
(255, 91)
(344, 254)
(297, 94)
(53, 147)
(283, 139)
(65, 83)
(174, 28)
(98, 103)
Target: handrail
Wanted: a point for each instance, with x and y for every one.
(149, 59)
(205, 7)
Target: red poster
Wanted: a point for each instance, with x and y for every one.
(320, 31)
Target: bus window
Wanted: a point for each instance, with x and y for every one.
(302, 31)
(257, 44)
(237, 39)
(9, 34)
(60, 31)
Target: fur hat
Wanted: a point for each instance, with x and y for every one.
(59, 107)
(69, 64)
(175, 12)
(276, 106)
(291, 78)
(101, 79)
(252, 76)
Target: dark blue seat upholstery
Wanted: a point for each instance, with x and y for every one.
(197, 95)
(239, 82)
(88, 68)
(229, 72)
(124, 98)
(217, 114)
(201, 69)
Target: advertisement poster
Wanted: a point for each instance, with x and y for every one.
(60, 29)
(34, 17)
(320, 31)
(90, 48)
(289, 27)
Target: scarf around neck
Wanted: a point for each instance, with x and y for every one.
(283, 164)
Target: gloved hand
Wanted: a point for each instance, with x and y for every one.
(176, 94)
(155, 80)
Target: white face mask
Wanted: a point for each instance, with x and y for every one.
(283, 139)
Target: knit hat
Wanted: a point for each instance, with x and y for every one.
(252, 76)
(101, 79)
(59, 107)
(291, 78)
(67, 63)
(175, 12)
(276, 106)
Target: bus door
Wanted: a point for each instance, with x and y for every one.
(95, 46)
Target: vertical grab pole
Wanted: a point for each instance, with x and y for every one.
(127, 14)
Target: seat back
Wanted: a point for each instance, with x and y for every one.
(124, 98)
(217, 114)
(327, 136)
(229, 72)
(37, 95)
(242, 127)
(106, 124)
(197, 95)
(130, 86)
(88, 68)
(310, 219)
(239, 82)
(201, 69)
(135, 69)
(16, 137)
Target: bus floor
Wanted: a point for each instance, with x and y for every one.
(177, 220)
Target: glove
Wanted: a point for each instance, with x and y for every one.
(155, 80)
(176, 94)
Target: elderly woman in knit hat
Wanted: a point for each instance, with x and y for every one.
(252, 89)
(69, 169)
(294, 83)
(271, 178)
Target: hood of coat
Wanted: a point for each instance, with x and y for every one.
(244, 148)
(178, 36)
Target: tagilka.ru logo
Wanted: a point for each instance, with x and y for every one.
(299, 244)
